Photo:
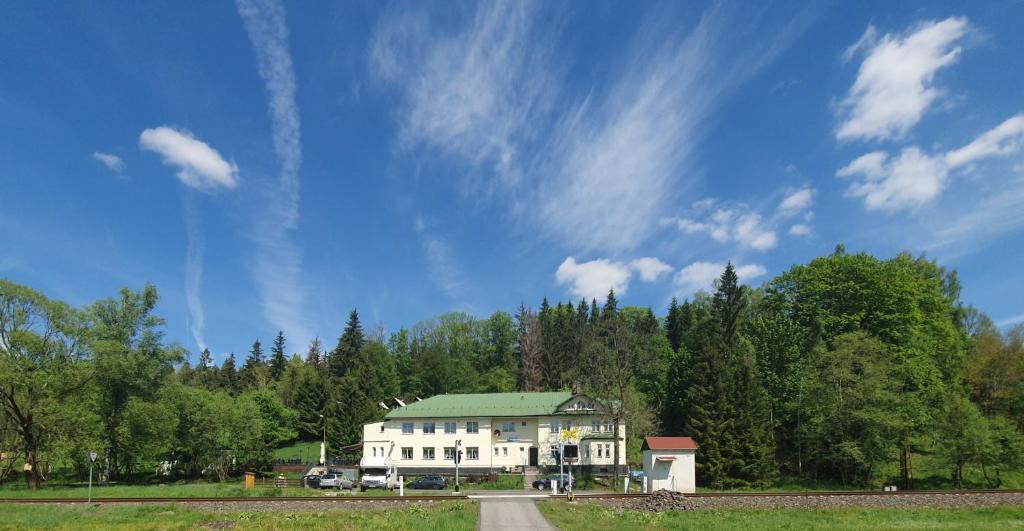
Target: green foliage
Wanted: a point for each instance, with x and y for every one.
(849, 398)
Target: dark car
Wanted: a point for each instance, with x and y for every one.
(428, 482)
(545, 483)
(312, 481)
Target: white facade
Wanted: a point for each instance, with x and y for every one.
(671, 469)
(493, 443)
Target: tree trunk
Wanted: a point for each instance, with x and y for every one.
(615, 465)
(905, 482)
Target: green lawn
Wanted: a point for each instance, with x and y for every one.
(183, 489)
(448, 516)
(570, 517)
(307, 451)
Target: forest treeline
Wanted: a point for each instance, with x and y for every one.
(840, 370)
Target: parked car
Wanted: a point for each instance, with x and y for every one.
(335, 481)
(636, 475)
(545, 483)
(428, 482)
(312, 481)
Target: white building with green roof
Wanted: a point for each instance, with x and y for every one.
(498, 432)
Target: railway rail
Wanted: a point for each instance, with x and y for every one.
(428, 498)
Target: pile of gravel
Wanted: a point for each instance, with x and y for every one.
(664, 500)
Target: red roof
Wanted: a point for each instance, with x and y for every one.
(669, 443)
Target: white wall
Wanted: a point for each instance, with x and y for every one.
(678, 475)
(513, 449)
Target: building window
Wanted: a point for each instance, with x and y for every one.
(472, 452)
(472, 427)
(375, 451)
(594, 426)
(428, 453)
(428, 427)
(505, 451)
(586, 451)
(608, 426)
(508, 427)
(407, 452)
(449, 453)
(556, 426)
(382, 451)
(449, 427)
(495, 451)
(406, 428)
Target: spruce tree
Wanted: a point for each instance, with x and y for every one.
(611, 306)
(314, 354)
(277, 360)
(254, 373)
(673, 326)
(728, 302)
(229, 375)
(595, 312)
(727, 405)
(349, 344)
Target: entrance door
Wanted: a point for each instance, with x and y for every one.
(533, 455)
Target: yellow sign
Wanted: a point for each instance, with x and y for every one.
(570, 435)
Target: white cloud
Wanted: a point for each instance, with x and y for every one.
(797, 201)
(1010, 321)
(473, 94)
(895, 82)
(442, 268)
(199, 165)
(650, 269)
(800, 229)
(1004, 139)
(593, 279)
(194, 274)
(907, 181)
(702, 275)
(597, 169)
(620, 160)
(914, 178)
(278, 267)
(110, 161)
(737, 224)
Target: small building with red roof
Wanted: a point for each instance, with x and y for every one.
(670, 463)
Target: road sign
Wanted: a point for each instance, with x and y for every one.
(92, 457)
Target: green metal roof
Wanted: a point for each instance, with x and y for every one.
(482, 405)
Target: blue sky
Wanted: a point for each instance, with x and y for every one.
(271, 166)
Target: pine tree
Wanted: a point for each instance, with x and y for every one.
(205, 371)
(595, 312)
(528, 350)
(727, 405)
(674, 326)
(611, 306)
(314, 356)
(729, 301)
(254, 373)
(229, 375)
(277, 360)
(349, 345)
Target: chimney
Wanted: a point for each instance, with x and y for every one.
(575, 388)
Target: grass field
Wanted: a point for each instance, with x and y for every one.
(448, 516)
(570, 517)
(183, 489)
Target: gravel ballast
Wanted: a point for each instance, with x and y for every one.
(665, 500)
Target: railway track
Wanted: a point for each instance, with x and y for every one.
(421, 498)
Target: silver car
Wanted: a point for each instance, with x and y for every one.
(335, 481)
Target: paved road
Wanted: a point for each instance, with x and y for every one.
(511, 513)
